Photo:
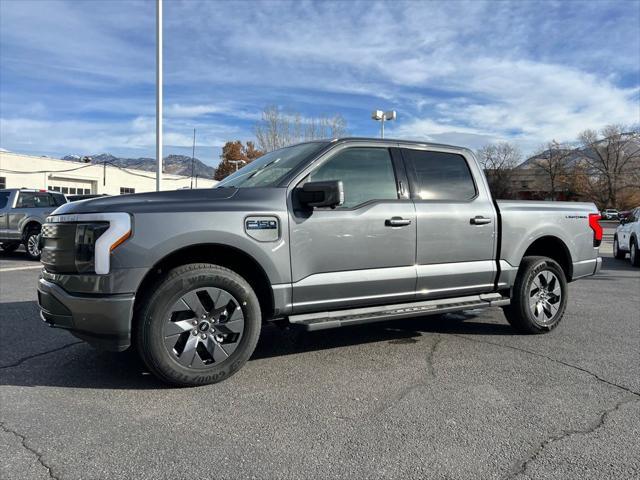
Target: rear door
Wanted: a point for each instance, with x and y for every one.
(456, 224)
(360, 253)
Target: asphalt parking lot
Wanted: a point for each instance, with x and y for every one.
(456, 396)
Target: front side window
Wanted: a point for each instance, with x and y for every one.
(440, 175)
(366, 173)
(4, 199)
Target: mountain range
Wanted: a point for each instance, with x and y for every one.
(173, 164)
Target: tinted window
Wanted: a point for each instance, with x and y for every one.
(43, 200)
(441, 176)
(26, 200)
(366, 174)
(58, 199)
(4, 199)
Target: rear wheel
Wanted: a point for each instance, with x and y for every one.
(539, 296)
(10, 247)
(635, 253)
(617, 253)
(31, 243)
(200, 325)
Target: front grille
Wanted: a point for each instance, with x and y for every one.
(58, 247)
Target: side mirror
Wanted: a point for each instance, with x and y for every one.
(322, 194)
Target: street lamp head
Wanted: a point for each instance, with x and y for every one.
(377, 115)
(390, 115)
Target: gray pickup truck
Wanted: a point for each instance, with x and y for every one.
(22, 213)
(318, 235)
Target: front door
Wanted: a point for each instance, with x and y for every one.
(456, 224)
(362, 252)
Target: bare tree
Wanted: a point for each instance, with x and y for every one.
(498, 161)
(277, 129)
(552, 163)
(613, 161)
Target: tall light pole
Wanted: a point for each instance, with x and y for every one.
(382, 117)
(193, 155)
(158, 95)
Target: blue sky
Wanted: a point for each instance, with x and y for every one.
(78, 76)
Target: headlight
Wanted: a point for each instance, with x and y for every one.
(83, 243)
(87, 235)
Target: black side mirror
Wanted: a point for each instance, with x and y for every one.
(322, 194)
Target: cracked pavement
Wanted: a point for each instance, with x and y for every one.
(458, 396)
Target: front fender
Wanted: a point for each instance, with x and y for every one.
(157, 235)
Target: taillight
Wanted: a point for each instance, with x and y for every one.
(596, 227)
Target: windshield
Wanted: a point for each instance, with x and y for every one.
(267, 170)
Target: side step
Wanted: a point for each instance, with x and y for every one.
(355, 316)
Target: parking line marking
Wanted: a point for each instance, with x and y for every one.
(13, 269)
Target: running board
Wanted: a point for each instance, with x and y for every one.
(355, 316)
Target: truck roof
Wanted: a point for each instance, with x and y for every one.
(395, 141)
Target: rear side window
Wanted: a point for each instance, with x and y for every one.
(366, 174)
(58, 199)
(440, 176)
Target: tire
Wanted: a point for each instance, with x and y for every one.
(544, 279)
(635, 253)
(31, 244)
(617, 253)
(227, 318)
(10, 247)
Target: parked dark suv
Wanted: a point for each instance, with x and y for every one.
(22, 213)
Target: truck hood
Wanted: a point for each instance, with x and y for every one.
(172, 200)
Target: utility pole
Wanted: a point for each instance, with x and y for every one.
(193, 155)
(158, 94)
(104, 173)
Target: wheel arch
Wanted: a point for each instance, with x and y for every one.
(219, 254)
(28, 225)
(554, 248)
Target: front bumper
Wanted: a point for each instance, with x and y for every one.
(101, 320)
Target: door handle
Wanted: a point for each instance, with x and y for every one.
(397, 222)
(479, 220)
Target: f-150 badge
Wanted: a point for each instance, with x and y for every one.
(263, 229)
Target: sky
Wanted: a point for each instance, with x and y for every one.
(78, 77)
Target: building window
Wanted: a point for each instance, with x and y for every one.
(55, 189)
(87, 191)
(3, 182)
(127, 190)
(65, 190)
(72, 190)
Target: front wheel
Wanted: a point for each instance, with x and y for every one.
(617, 253)
(635, 253)
(539, 296)
(199, 326)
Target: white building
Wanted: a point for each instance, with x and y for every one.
(26, 171)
